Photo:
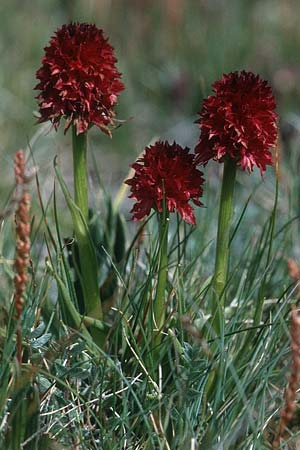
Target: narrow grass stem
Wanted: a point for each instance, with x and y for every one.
(159, 302)
(261, 294)
(223, 241)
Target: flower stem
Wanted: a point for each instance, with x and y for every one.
(87, 256)
(223, 241)
(159, 302)
(79, 143)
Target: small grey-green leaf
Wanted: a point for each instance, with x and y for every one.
(39, 342)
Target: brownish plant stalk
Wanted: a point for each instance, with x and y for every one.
(286, 414)
(22, 244)
(294, 272)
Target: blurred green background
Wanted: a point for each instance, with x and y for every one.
(169, 51)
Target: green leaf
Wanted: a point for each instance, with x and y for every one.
(120, 238)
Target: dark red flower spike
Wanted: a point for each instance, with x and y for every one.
(166, 171)
(239, 121)
(79, 79)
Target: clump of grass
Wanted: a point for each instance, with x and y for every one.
(92, 398)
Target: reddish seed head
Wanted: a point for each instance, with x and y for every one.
(19, 167)
(290, 395)
(79, 79)
(239, 122)
(166, 171)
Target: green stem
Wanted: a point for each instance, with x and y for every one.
(223, 241)
(159, 302)
(79, 143)
(87, 255)
(220, 280)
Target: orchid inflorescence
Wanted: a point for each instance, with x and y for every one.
(79, 80)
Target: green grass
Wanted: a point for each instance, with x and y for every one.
(114, 399)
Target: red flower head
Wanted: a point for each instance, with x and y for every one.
(238, 121)
(166, 171)
(79, 79)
